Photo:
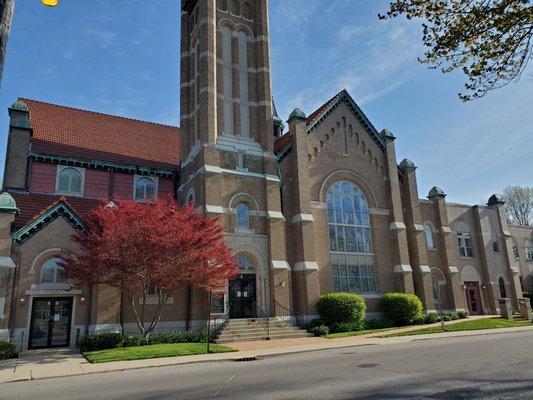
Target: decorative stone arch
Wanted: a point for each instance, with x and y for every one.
(243, 28)
(352, 177)
(439, 275)
(462, 226)
(250, 201)
(42, 257)
(225, 22)
(470, 274)
(261, 272)
(432, 225)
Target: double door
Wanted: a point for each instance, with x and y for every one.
(473, 298)
(50, 323)
(242, 296)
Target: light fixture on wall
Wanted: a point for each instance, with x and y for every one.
(484, 287)
(22, 301)
(50, 3)
(82, 300)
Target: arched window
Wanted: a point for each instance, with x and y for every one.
(428, 231)
(247, 11)
(227, 62)
(244, 263)
(144, 188)
(52, 272)
(235, 9)
(436, 291)
(243, 84)
(344, 137)
(494, 241)
(501, 284)
(243, 216)
(69, 181)
(350, 239)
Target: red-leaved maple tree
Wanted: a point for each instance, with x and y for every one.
(137, 246)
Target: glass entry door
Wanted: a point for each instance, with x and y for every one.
(50, 322)
(242, 296)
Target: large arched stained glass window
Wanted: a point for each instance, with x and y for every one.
(350, 238)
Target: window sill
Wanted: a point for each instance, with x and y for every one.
(154, 300)
(468, 258)
(431, 248)
(73, 194)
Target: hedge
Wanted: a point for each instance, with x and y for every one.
(338, 308)
(7, 350)
(401, 308)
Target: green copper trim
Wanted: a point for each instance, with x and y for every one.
(19, 105)
(8, 204)
(298, 114)
(436, 192)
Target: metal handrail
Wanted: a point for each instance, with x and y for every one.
(259, 313)
(297, 318)
(219, 322)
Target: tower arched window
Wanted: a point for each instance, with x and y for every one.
(235, 8)
(144, 188)
(428, 232)
(244, 263)
(503, 290)
(243, 216)
(247, 11)
(52, 272)
(69, 181)
(436, 291)
(243, 84)
(227, 61)
(350, 239)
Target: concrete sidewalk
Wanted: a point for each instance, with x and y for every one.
(61, 363)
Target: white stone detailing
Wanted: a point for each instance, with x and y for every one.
(418, 228)
(280, 265)
(306, 266)
(372, 296)
(507, 233)
(319, 205)
(302, 218)
(446, 230)
(272, 178)
(214, 209)
(402, 268)
(397, 226)
(453, 270)
(425, 269)
(264, 103)
(238, 143)
(6, 262)
(154, 299)
(52, 292)
(514, 270)
(212, 169)
(378, 211)
(275, 215)
(261, 38)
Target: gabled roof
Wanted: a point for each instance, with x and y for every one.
(283, 144)
(32, 205)
(59, 208)
(66, 131)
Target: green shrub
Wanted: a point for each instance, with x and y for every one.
(7, 351)
(165, 337)
(101, 341)
(320, 330)
(347, 327)
(419, 320)
(315, 322)
(462, 314)
(401, 308)
(450, 315)
(336, 308)
(377, 324)
(431, 318)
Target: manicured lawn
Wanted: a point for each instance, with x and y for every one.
(153, 351)
(474, 325)
(356, 333)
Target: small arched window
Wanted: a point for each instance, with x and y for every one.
(52, 272)
(69, 181)
(501, 284)
(235, 9)
(247, 11)
(244, 263)
(436, 291)
(243, 216)
(144, 188)
(494, 241)
(428, 231)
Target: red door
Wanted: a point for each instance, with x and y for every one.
(473, 298)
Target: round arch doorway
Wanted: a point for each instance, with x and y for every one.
(242, 290)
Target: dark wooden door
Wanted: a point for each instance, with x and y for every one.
(50, 323)
(473, 298)
(242, 296)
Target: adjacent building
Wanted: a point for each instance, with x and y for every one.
(324, 207)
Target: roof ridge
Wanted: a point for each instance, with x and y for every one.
(98, 112)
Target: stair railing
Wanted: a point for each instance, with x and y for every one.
(296, 318)
(219, 322)
(259, 315)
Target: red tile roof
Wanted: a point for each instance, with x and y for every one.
(70, 132)
(33, 205)
(286, 139)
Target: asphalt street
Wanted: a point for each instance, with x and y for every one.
(495, 366)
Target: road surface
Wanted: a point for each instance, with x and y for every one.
(496, 366)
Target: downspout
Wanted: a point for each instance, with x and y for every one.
(188, 309)
(89, 310)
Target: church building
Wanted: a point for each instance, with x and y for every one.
(315, 206)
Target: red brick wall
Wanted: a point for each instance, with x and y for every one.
(165, 186)
(96, 183)
(123, 186)
(43, 177)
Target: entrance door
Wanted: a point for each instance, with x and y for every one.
(473, 298)
(50, 322)
(242, 296)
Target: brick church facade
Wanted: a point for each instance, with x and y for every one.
(323, 207)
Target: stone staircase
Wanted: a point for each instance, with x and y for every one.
(249, 329)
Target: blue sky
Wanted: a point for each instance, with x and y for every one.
(122, 57)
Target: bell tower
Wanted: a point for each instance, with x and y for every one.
(228, 166)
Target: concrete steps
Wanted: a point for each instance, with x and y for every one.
(241, 330)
